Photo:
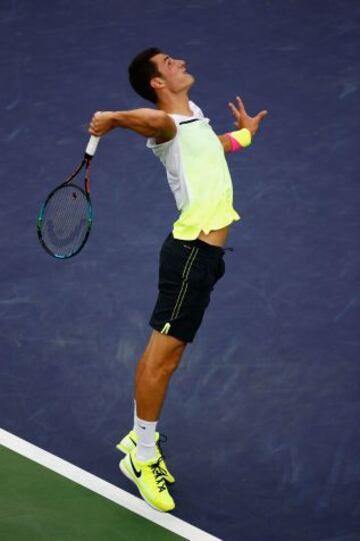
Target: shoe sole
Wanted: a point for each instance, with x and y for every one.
(129, 476)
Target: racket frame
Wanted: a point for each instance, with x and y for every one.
(84, 163)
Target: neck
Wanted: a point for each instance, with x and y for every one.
(175, 104)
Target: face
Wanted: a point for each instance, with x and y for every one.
(173, 74)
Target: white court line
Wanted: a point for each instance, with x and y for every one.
(105, 489)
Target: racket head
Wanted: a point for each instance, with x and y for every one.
(64, 221)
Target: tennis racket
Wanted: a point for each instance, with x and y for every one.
(65, 219)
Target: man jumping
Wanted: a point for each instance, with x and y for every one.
(191, 257)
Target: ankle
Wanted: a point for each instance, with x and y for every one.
(145, 431)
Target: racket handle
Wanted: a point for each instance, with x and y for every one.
(91, 147)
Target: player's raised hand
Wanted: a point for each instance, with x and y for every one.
(101, 123)
(243, 120)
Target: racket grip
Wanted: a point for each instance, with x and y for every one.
(91, 146)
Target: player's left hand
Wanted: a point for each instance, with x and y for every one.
(243, 120)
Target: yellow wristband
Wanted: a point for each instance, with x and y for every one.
(242, 136)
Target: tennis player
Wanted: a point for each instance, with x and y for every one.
(191, 257)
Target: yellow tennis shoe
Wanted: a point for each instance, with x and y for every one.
(129, 442)
(149, 477)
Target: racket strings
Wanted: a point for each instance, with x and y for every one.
(66, 221)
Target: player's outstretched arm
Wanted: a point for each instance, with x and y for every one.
(242, 120)
(146, 122)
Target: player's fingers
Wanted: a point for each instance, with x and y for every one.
(96, 118)
(240, 104)
(233, 109)
(94, 127)
(261, 115)
(93, 120)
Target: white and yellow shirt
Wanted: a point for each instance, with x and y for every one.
(198, 176)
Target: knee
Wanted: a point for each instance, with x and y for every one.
(162, 355)
(170, 365)
(164, 365)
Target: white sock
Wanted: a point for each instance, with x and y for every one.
(145, 431)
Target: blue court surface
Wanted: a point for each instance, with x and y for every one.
(262, 417)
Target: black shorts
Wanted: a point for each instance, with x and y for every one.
(188, 271)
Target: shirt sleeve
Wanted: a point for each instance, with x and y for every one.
(160, 150)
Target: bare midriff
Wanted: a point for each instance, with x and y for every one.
(216, 238)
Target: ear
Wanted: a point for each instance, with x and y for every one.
(156, 83)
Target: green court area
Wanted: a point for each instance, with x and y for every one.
(37, 504)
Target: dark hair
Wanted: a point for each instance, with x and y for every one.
(141, 71)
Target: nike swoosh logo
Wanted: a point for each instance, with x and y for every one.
(143, 427)
(137, 473)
